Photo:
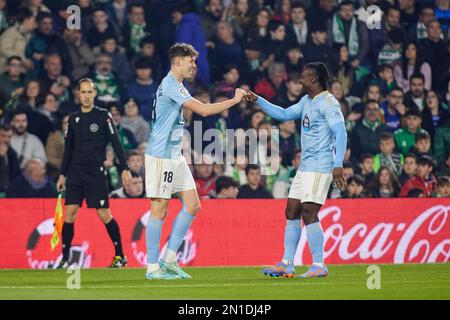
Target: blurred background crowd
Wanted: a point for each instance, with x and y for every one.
(391, 80)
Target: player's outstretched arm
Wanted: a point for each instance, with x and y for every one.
(276, 112)
(209, 109)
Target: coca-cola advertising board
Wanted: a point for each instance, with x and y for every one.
(234, 233)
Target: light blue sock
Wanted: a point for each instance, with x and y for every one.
(292, 235)
(314, 235)
(152, 237)
(179, 229)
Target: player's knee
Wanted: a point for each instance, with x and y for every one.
(159, 214)
(193, 208)
(292, 213)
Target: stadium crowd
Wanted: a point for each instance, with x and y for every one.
(391, 80)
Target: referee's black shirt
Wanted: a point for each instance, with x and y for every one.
(87, 137)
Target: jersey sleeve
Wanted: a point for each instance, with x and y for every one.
(178, 93)
(332, 112)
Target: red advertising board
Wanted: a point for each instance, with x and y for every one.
(235, 233)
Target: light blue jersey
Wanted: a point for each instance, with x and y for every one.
(321, 120)
(168, 122)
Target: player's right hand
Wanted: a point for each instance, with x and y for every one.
(239, 94)
(251, 96)
(61, 183)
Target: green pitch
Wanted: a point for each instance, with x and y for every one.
(431, 281)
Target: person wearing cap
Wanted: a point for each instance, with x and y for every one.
(405, 137)
(423, 180)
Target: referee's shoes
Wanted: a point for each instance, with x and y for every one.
(119, 262)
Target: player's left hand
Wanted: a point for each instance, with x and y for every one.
(338, 178)
(126, 177)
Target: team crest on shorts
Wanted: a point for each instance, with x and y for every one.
(93, 127)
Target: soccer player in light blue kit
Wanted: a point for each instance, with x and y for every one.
(323, 140)
(166, 170)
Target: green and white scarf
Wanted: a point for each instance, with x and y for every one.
(137, 33)
(339, 34)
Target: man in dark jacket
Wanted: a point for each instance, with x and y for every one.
(253, 188)
(364, 137)
(9, 162)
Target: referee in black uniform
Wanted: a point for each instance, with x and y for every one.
(89, 132)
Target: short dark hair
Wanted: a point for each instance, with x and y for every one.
(443, 181)
(396, 35)
(410, 155)
(365, 156)
(135, 174)
(384, 136)
(43, 15)
(426, 160)
(5, 127)
(347, 164)
(146, 40)
(414, 193)
(369, 102)
(423, 136)
(345, 3)
(297, 4)
(385, 66)
(293, 76)
(23, 14)
(135, 5)
(396, 88)
(274, 25)
(182, 50)
(417, 75)
(82, 80)
(321, 71)
(143, 63)
(133, 153)
(251, 167)
(19, 111)
(11, 58)
(356, 178)
(224, 182)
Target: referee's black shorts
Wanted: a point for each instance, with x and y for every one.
(87, 182)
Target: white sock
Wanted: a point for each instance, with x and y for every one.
(318, 264)
(171, 256)
(152, 267)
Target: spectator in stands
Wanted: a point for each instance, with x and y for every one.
(239, 17)
(409, 168)
(354, 188)
(236, 170)
(205, 180)
(3, 16)
(126, 137)
(366, 168)
(277, 43)
(135, 189)
(297, 28)
(393, 109)
(435, 52)
(81, 55)
(371, 92)
(415, 97)
(422, 146)
(271, 86)
(317, 49)
(227, 49)
(434, 113)
(27, 145)
(100, 29)
(134, 122)
(293, 91)
(424, 178)
(388, 157)
(391, 52)
(443, 13)
(210, 18)
(406, 137)
(53, 79)
(54, 148)
(147, 50)
(226, 188)
(418, 31)
(48, 107)
(12, 81)
(117, 12)
(442, 188)
(106, 82)
(136, 163)
(259, 25)
(121, 67)
(294, 59)
(46, 40)
(32, 183)
(253, 188)
(143, 88)
(342, 68)
(228, 84)
(385, 78)
(9, 162)
(322, 12)
(441, 145)
(189, 30)
(282, 11)
(14, 40)
(415, 193)
(135, 29)
(409, 13)
(385, 185)
(349, 31)
(412, 63)
(338, 92)
(366, 133)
